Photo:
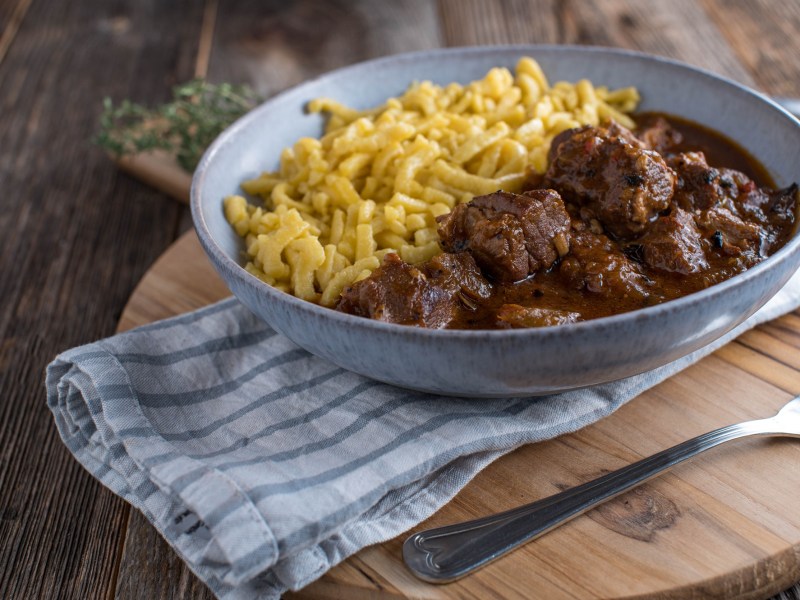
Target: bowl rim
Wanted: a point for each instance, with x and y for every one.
(227, 137)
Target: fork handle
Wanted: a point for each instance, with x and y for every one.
(446, 553)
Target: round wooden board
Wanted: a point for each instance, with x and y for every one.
(724, 525)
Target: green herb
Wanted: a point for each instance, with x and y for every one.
(184, 127)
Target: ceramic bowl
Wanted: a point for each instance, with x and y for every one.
(508, 362)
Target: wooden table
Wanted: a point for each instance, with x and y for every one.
(76, 235)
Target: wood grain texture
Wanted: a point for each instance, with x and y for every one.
(707, 529)
(12, 12)
(160, 171)
(76, 238)
(275, 45)
(206, 38)
(764, 36)
(678, 29)
(476, 23)
(152, 570)
(181, 280)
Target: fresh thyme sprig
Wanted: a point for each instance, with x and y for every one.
(184, 127)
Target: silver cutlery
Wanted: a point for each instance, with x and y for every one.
(447, 553)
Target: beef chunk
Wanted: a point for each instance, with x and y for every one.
(763, 204)
(731, 234)
(660, 136)
(777, 215)
(510, 235)
(396, 292)
(609, 129)
(674, 244)
(700, 186)
(782, 203)
(458, 274)
(428, 296)
(596, 265)
(610, 172)
(730, 208)
(516, 316)
(454, 283)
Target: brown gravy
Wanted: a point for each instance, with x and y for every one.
(617, 223)
(548, 289)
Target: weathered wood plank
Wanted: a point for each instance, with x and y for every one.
(12, 12)
(761, 365)
(7, 9)
(477, 23)
(77, 236)
(764, 36)
(151, 569)
(786, 329)
(678, 29)
(783, 351)
(276, 45)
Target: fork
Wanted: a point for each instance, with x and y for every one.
(447, 553)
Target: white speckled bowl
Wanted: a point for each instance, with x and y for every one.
(513, 362)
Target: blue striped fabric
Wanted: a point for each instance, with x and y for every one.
(264, 466)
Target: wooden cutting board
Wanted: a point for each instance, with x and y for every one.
(724, 525)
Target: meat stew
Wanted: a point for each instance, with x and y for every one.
(620, 221)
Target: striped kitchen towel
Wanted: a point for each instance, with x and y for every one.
(264, 466)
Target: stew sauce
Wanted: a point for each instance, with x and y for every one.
(620, 221)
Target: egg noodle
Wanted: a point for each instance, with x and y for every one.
(377, 179)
